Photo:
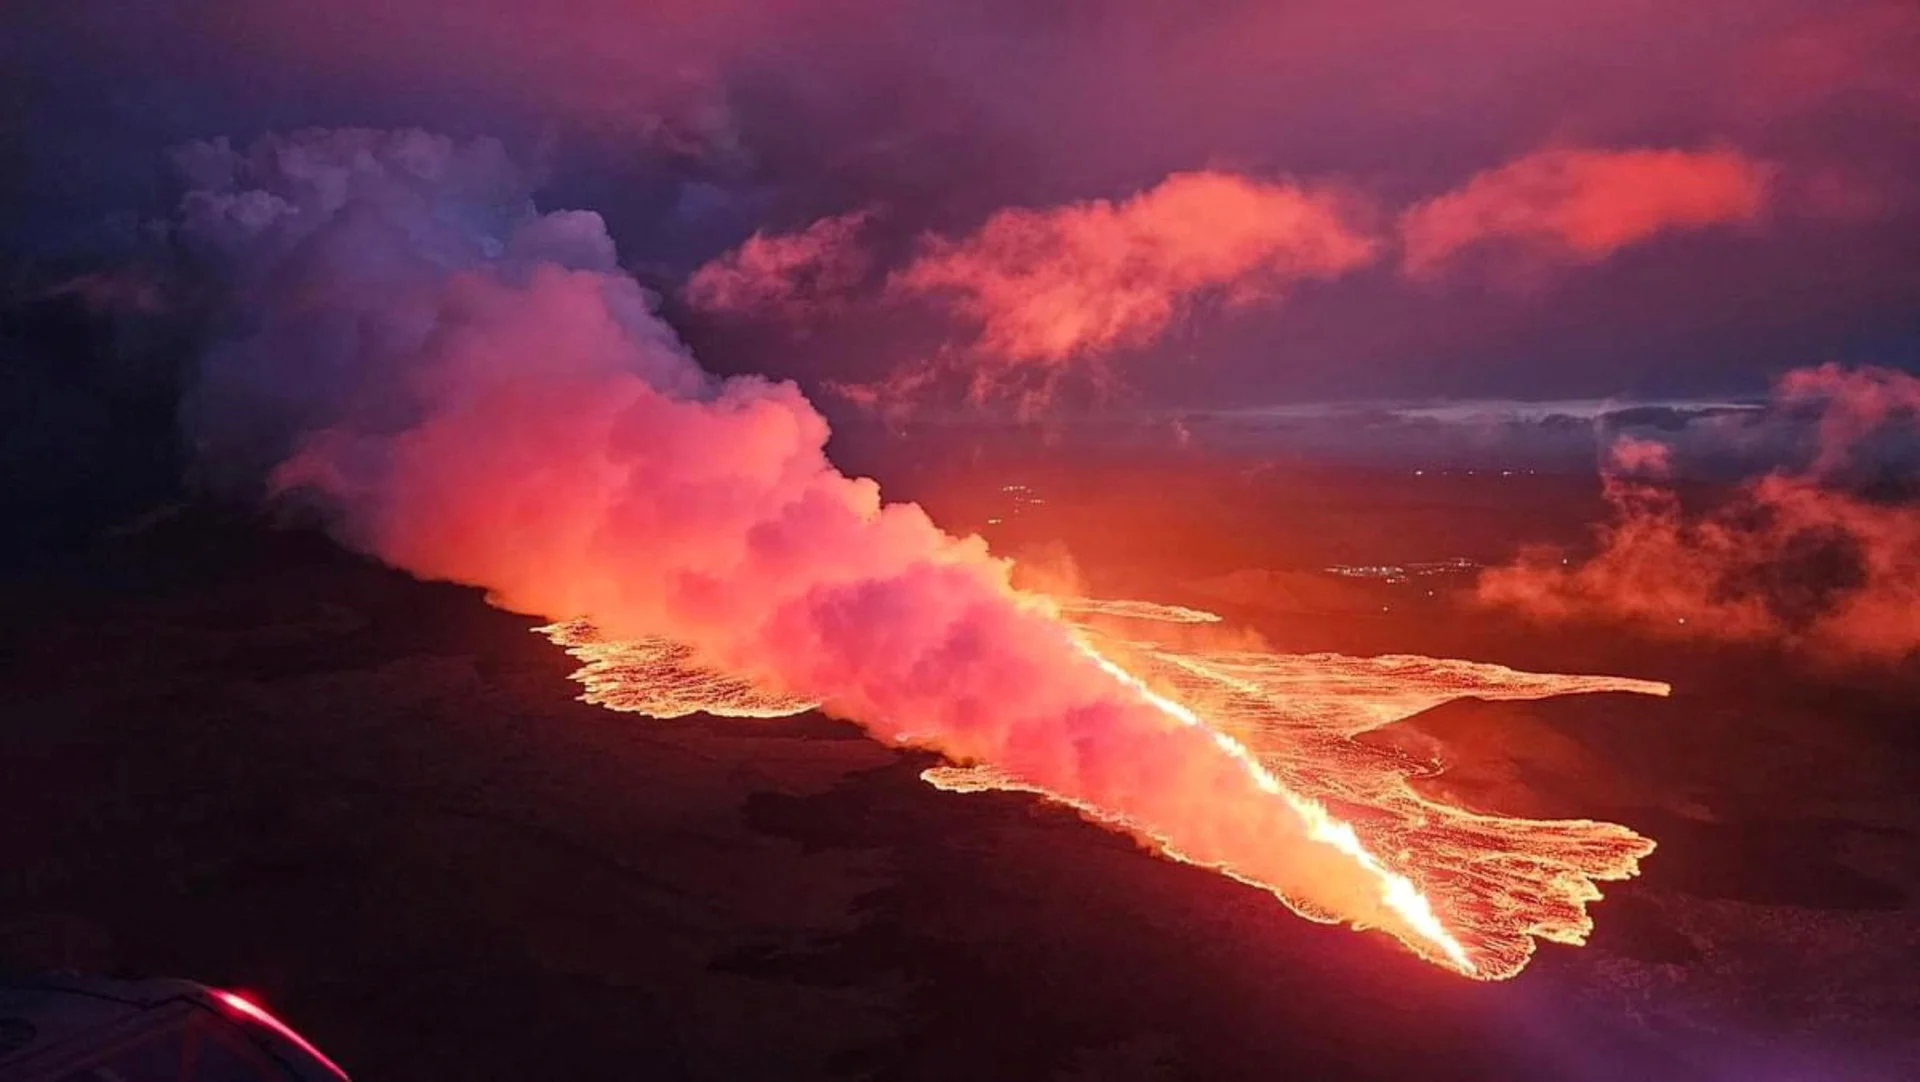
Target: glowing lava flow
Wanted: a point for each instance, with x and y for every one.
(659, 678)
(1137, 610)
(1397, 891)
(1490, 885)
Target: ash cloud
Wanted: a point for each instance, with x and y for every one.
(1821, 556)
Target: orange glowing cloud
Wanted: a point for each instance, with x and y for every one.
(785, 274)
(1793, 558)
(1580, 206)
(1050, 287)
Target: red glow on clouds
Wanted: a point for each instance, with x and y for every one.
(1793, 558)
(1051, 287)
(1864, 48)
(1045, 294)
(704, 121)
(1631, 455)
(1580, 206)
(1853, 404)
(789, 274)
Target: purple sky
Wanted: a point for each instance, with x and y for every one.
(690, 125)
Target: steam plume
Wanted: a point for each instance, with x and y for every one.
(469, 390)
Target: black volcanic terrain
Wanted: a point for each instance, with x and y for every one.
(239, 755)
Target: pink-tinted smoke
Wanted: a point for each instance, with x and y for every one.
(1059, 286)
(1582, 205)
(1793, 558)
(471, 405)
(785, 275)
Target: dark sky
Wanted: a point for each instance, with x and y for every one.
(691, 123)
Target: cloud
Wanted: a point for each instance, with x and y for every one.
(785, 275)
(1852, 404)
(1794, 558)
(1053, 287)
(690, 124)
(1580, 206)
(1863, 49)
(1631, 455)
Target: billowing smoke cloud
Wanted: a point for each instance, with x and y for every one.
(1580, 206)
(786, 275)
(1797, 557)
(1051, 287)
(469, 390)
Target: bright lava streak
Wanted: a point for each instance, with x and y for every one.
(1138, 610)
(1490, 885)
(1397, 891)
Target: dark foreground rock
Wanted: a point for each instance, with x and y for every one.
(244, 757)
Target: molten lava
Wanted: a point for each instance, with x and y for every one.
(1488, 886)
(660, 678)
